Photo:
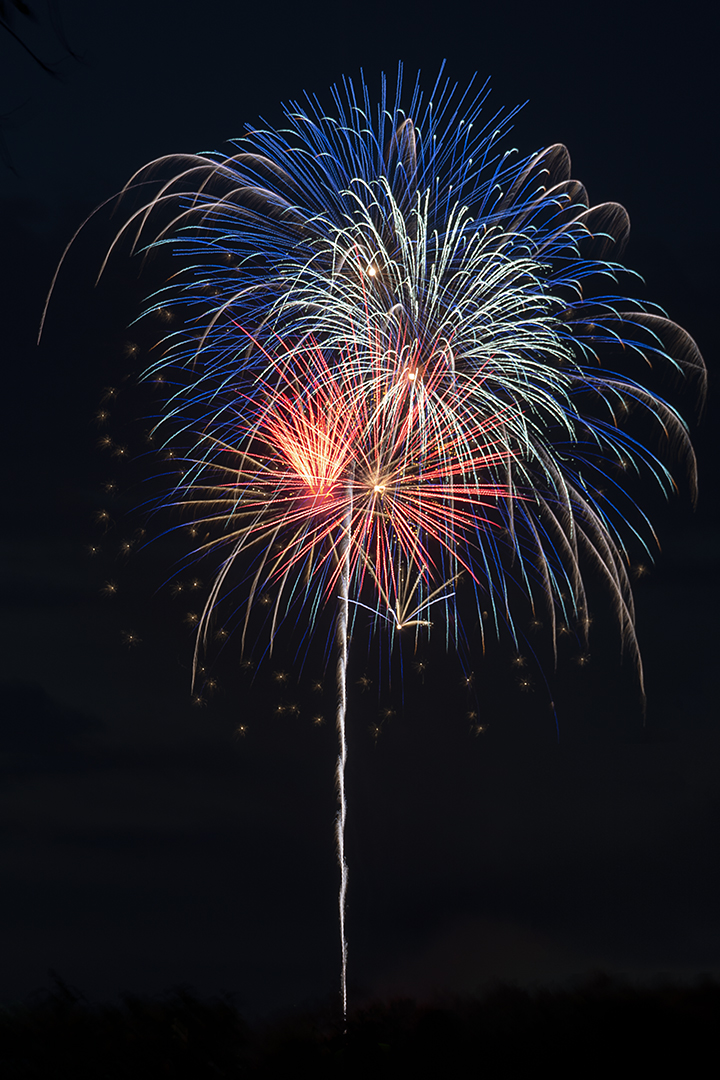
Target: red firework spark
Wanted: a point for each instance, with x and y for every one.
(374, 449)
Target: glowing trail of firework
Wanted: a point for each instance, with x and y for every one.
(360, 470)
(342, 648)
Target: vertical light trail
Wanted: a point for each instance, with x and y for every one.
(342, 647)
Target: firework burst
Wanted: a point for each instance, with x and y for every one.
(371, 453)
(407, 354)
(409, 233)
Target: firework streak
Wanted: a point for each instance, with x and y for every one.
(408, 355)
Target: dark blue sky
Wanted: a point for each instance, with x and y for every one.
(143, 842)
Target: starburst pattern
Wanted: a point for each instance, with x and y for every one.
(398, 355)
(436, 293)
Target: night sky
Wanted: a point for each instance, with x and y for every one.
(146, 842)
